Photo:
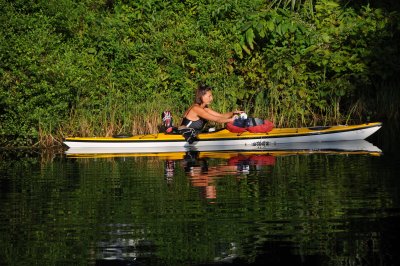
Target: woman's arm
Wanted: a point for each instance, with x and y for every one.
(214, 113)
(225, 115)
(211, 115)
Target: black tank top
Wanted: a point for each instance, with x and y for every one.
(198, 124)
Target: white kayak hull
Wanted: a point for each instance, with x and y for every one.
(331, 146)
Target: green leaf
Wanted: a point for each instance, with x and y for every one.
(250, 38)
(325, 37)
(238, 49)
(246, 49)
(270, 25)
(193, 53)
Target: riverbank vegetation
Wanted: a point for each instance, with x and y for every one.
(102, 67)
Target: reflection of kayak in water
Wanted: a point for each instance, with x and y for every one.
(255, 159)
(226, 138)
(336, 147)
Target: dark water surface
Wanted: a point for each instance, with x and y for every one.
(199, 209)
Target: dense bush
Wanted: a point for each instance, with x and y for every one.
(98, 67)
(308, 65)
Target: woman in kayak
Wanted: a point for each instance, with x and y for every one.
(199, 113)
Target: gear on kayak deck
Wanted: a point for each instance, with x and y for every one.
(190, 134)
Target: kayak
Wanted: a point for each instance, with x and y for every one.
(330, 147)
(224, 139)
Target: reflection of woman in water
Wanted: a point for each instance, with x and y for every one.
(197, 169)
(204, 177)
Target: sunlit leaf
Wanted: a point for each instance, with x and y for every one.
(250, 38)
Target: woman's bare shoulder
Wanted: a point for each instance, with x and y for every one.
(196, 108)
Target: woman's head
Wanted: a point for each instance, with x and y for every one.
(203, 94)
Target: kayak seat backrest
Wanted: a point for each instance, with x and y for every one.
(127, 135)
(319, 128)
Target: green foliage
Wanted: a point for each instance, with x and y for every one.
(308, 65)
(65, 64)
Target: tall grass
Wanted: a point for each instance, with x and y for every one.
(380, 103)
(387, 100)
(291, 112)
(117, 117)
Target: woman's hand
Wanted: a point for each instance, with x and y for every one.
(230, 120)
(237, 112)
